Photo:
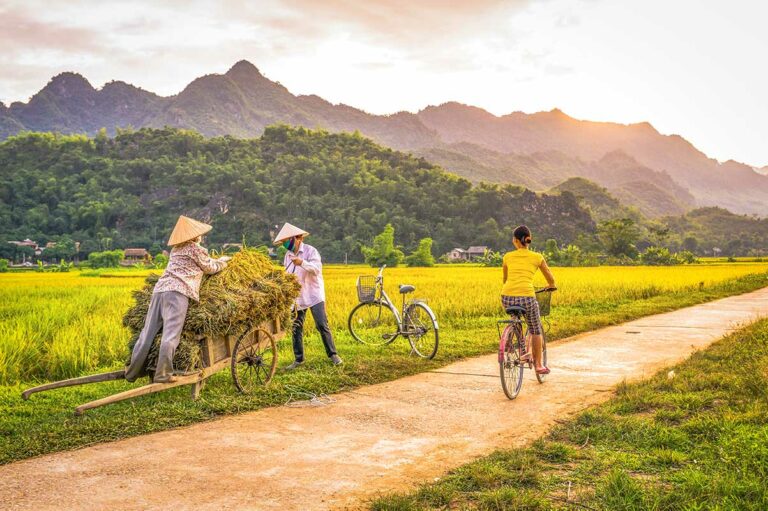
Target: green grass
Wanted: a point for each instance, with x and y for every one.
(694, 441)
(46, 424)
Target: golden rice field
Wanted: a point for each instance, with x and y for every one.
(61, 325)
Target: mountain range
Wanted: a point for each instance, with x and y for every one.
(658, 174)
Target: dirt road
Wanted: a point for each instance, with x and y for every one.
(378, 438)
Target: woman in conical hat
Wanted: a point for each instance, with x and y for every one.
(304, 261)
(170, 299)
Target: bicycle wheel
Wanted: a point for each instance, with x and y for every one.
(373, 323)
(510, 367)
(542, 377)
(421, 329)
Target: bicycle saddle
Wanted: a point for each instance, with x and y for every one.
(516, 310)
(406, 288)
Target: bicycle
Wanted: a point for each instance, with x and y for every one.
(375, 321)
(512, 344)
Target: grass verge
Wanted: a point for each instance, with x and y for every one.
(45, 423)
(692, 439)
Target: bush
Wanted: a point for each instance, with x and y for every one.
(161, 261)
(3, 265)
(657, 256)
(422, 256)
(383, 250)
(107, 259)
(492, 258)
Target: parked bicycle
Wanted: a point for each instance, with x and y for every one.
(513, 347)
(375, 321)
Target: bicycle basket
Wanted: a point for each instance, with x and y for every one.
(545, 299)
(366, 288)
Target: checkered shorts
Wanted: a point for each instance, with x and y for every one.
(531, 307)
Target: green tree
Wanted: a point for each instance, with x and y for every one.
(3, 265)
(422, 256)
(658, 256)
(160, 261)
(383, 250)
(619, 237)
(106, 259)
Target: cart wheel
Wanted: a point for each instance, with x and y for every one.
(254, 360)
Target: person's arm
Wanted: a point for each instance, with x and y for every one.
(208, 264)
(504, 272)
(313, 263)
(547, 273)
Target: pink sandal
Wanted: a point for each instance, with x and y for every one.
(543, 370)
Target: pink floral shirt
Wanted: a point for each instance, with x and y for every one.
(186, 266)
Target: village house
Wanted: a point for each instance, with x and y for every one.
(476, 252)
(457, 254)
(470, 254)
(135, 256)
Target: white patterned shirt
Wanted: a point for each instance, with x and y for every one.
(309, 275)
(186, 266)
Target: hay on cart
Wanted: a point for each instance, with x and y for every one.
(249, 291)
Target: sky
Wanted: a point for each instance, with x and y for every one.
(690, 67)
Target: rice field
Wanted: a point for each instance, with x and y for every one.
(61, 325)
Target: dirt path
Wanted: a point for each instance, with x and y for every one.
(378, 438)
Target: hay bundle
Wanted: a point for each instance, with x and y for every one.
(247, 292)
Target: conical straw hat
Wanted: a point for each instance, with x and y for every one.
(187, 229)
(288, 231)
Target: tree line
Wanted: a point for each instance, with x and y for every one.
(127, 191)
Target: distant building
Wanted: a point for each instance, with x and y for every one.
(135, 256)
(457, 254)
(26, 243)
(470, 254)
(476, 252)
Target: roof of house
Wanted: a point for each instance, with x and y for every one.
(140, 252)
(477, 250)
(458, 250)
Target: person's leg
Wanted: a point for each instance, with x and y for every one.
(321, 323)
(298, 335)
(152, 324)
(174, 307)
(533, 318)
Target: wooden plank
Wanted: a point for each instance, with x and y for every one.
(82, 380)
(139, 391)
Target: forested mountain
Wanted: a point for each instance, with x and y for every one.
(663, 174)
(343, 188)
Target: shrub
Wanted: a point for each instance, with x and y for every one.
(107, 259)
(658, 256)
(3, 265)
(383, 250)
(422, 256)
(161, 261)
(492, 258)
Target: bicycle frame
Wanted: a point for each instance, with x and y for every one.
(504, 335)
(399, 315)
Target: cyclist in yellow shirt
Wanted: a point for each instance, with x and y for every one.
(519, 268)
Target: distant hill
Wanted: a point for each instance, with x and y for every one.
(716, 228)
(343, 188)
(598, 200)
(534, 150)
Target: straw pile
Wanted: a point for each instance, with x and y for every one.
(247, 292)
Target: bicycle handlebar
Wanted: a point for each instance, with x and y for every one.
(545, 289)
(381, 271)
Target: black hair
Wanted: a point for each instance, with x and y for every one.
(523, 235)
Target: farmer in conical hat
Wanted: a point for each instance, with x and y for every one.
(170, 299)
(304, 261)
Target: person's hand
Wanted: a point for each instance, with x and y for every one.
(297, 261)
(225, 258)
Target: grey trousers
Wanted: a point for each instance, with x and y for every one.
(167, 310)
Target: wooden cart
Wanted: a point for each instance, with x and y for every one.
(250, 356)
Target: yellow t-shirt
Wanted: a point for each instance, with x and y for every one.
(521, 265)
